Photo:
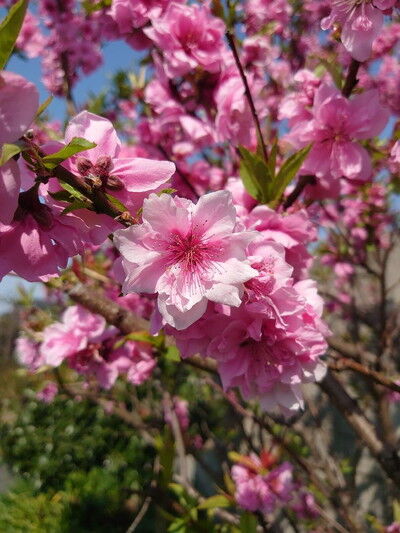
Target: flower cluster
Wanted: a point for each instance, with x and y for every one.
(88, 346)
(228, 278)
(262, 487)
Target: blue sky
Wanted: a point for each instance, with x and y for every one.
(117, 55)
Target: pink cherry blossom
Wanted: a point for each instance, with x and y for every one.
(39, 241)
(62, 339)
(129, 179)
(260, 490)
(189, 37)
(181, 409)
(234, 120)
(19, 101)
(393, 528)
(27, 352)
(273, 342)
(30, 38)
(362, 22)
(48, 393)
(337, 124)
(82, 339)
(188, 254)
(294, 231)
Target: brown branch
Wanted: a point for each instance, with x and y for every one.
(302, 183)
(350, 364)
(180, 173)
(350, 351)
(286, 445)
(127, 322)
(178, 438)
(385, 455)
(351, 78)
(95, 300)
(140, 515)
(99, 200)
(232, 46)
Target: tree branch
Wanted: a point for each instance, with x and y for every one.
(302, 183)
(232, 46)
(350, 364)
(386, 456)
(351, 78)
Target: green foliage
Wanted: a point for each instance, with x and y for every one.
(216, 501)
(46, 443)
(94, 503)
(260, 178)
(76, 145)
(44, 106)
(23, 511)
(248, 523)
(287, 172)
(116, 203)
(8, 151)
(90, 502)
(91, 7)
(334, 70)
(9, 30)
(255, 175)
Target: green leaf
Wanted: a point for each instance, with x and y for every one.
(73, 147)
(287, 172)
(396, 510)
(76, 204)
(172, 354)
(334, 71)
(178, 526)
(44, 106)
(219, 500)
(249, 181)
(248, 523)
(116, 203)
(71, 190)
(8, 151)
(90, 8)
(166, 450)
(61, 196)
(9, 30)
(255, 175)
(167, 191)
(243, 460)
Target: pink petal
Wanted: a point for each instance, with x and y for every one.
(10, 183)
(140, 175)
(95, 129)
(19, 101)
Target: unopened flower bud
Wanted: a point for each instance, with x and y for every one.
(83, 165)
(114, 183)
(103, 165)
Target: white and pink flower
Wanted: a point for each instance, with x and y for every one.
(187, 254)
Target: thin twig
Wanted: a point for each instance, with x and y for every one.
(302, 183)
(139, 517)
(96, 301)
(351, 78)
(232, 45)
(384, 454)
(179, 444)
(350, 364)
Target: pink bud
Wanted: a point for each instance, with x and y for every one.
(83, 165)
